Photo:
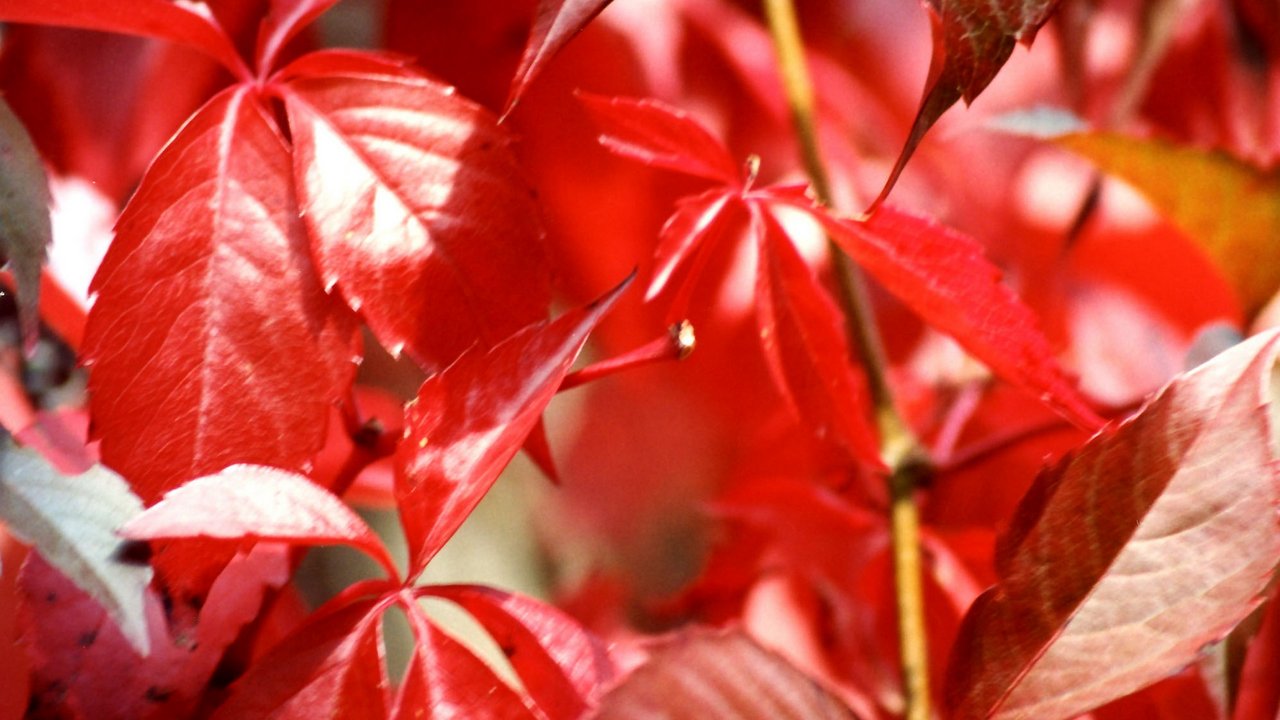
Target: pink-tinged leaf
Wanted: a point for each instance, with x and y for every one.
(188, 23)
(563, 666)
(25, 225)
(706, 674)
(972, 40)
(251, 503)
(330, 667)
(804, 342)
(944, 276)
(470, 419)
(688, 235)
(284, 21)
(417, 211)
(555, 23)
(1151, 541)
(658, 135)
(211, 342)
(445, 681)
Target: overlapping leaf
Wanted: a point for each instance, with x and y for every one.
(191, 24)
(212, 342)
(25, 227)
(1229, 207)
(722, 675)
(329, 668)
(469, 420)
(972, 40)
(659, 135)
(72, 521)
(563, 667)
(804, 340)
(247, 502)
(417, 210)
(555, 23)
(1147, 544)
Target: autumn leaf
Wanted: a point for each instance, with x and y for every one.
(1151, 541)
(972, 40)
(1229, 207)
(563, 667)
(416, 210)
(250, 503)
(469, 420)
(331, 667)
(803, 336)
(555, 23)
(450, 682)
(72, 521)
(25, 228)
(211, 342)
(188, 23)
(721, 674)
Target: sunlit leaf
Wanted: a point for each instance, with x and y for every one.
(1151, 541)
(659, 135)
(469, 420)
(555, 23)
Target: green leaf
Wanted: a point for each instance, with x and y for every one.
(25, 227)
(72, 521)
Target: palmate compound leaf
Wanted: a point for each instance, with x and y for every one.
(73, 521)
(555, 23)
(416, 209)
(718, 674)
(972, 40)
(25, 225)
(1130, 555)
(470, 419)
(211, 342)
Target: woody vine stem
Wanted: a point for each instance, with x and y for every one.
(902, 453)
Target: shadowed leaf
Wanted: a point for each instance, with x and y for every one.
(25, 228)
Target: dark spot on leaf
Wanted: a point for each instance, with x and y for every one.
(134, 552)
(158, 695)
(508, 650)
(87, 639)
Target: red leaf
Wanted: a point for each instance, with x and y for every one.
(687, 236)
(330, 667)
(247, 502)
(446, 682)
(943, 275)
(555, 23)
(563, 667)
(284, 21)
(972, 39)
(181, 22)
(719, 674)
(804, 341)
(1150, 542)
(659, 135)
(470, 419)
(212, 342)
(416, 210)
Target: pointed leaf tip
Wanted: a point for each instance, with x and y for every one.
(555, 23)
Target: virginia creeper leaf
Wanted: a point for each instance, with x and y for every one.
(555, 23)
(686, 235)
(249, 502)
(284, 21)
(330, 667)
(470, 419)
(659, 135)
(562, 665)
(972, 40)
(25, 226)
(804, 341)
(212, 342)
(943, 275)
(1229, 207)
(445, 681)
(417, 211)
(72, 521)
(189, 23)
(1151, 541)
(721, 674)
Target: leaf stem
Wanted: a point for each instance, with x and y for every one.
(901, 451)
